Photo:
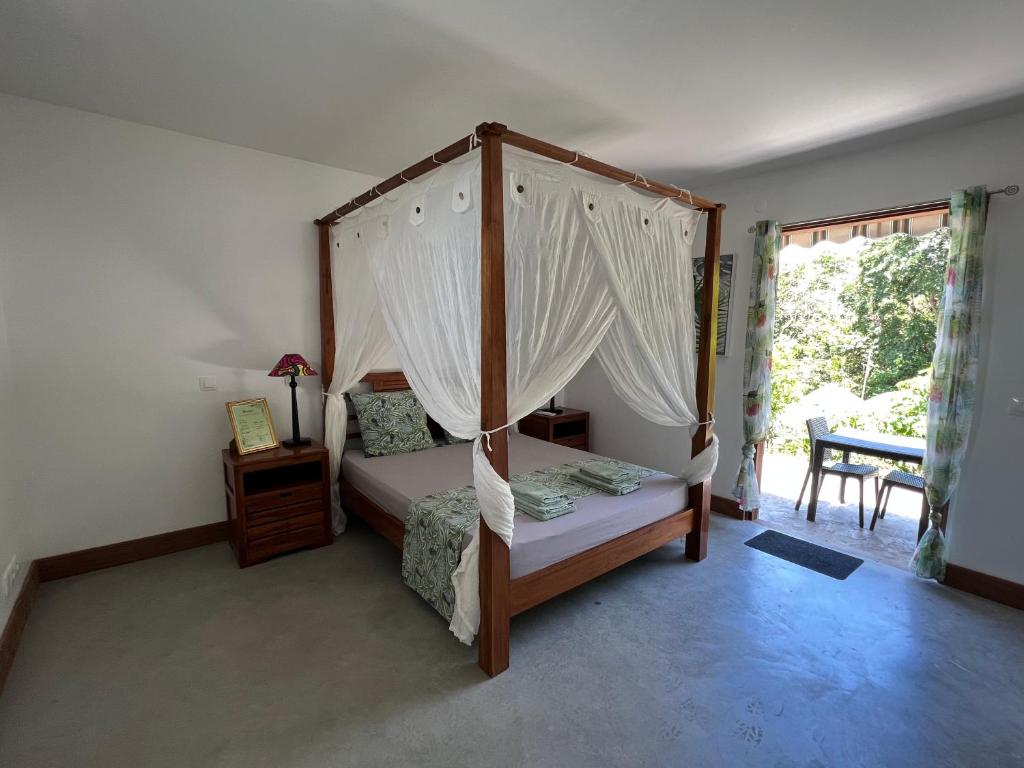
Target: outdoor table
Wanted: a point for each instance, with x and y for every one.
(891, 447)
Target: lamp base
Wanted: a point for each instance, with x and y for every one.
(297, 443)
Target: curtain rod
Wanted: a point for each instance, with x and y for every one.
(882, 213)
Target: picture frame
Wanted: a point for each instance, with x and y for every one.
(725, 272)
(252, 425)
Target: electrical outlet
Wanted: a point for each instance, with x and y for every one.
(7, 580)
(1017, 406)
(207, 383)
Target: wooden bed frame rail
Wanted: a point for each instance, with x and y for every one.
(539, 586)
(500, 596)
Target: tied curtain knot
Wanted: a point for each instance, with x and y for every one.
(929, 561)
(486, 435)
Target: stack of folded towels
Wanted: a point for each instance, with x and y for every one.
(608, 477)
(539, 501)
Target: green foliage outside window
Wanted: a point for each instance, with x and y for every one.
(862, 326)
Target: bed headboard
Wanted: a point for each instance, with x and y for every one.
(379, 381)
(386, 381)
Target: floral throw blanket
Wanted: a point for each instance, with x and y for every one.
(437, 525)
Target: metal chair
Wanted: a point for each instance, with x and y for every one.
(844, 470)
(904, 480)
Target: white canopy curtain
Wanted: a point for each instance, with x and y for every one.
(361, 339)
(562, 297)
(649, 351)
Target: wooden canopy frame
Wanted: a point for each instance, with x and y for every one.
(501, 597)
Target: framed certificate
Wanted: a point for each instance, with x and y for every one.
(252, 425)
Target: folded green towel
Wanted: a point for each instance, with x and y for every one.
(608, 472)
(541, 508)
(612, 489)
(546, 514)
(536, 493)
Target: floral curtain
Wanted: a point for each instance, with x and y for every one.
(954, 370)
(757, 363)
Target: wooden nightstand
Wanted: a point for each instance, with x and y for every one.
(570, 428)
(278, 501)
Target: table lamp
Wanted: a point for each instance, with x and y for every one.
(294, 365)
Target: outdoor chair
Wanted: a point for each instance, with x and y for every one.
(844, 470)
(904, 480)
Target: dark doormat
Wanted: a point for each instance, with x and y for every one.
(820, 559)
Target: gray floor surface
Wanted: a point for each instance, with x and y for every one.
(325, 658)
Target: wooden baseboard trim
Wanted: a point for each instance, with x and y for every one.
(16, 622)
(727, 506)
(85, 560)
(982, 584)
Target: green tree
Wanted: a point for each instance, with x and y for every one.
(893, 301)
(862, 321)
(814, 337)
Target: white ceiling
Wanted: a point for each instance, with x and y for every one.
(680, 88)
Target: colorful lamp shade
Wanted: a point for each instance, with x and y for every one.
(294, 365)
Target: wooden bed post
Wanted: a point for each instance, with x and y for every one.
(495, 593)
(326, 308)
(700, 495)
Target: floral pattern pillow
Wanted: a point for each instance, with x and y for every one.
(392, 423)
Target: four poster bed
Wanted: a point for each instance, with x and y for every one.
(497, 275)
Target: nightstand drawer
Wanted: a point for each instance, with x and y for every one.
(264, 516)
(285, 497)
(300, 516)
(286, 542)
(577, 441)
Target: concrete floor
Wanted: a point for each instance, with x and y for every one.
(324, 658)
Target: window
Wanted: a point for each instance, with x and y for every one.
(916, 220)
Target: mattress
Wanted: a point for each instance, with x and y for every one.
(392, 482)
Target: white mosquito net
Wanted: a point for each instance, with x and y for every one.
(591, 267)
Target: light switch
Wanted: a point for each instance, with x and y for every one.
(208, 383)
(1017, 406)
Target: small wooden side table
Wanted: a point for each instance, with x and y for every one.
(278, 501)
(570, 428)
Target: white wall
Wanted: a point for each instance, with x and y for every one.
(135, 260)
(986, 527)
(12, 488)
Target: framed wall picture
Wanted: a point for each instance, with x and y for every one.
(252, 425)
(724, 296)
